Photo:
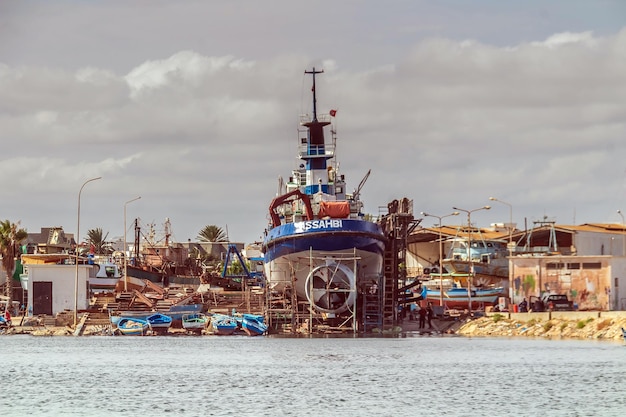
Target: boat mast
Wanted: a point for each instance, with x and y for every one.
(316, 153)
(313, 72)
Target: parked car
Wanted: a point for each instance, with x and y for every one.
(557, 302)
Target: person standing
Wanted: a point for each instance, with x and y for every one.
(430, 313)
(422, 313)
(7, 316)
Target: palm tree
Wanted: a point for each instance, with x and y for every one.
(98, 241)
(10, 238)
(212, 233)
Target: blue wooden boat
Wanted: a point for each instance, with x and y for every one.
(253, 324)
(222, 324)
(159, 323)
(132, 326)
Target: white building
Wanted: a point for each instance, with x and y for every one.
(52, 286)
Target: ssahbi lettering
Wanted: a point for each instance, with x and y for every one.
(317, 224)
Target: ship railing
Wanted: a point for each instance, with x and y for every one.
(316, 151)
(307, 118)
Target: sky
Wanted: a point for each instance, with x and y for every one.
(194, 106)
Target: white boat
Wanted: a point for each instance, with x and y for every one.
(319, 240)
(106, 277)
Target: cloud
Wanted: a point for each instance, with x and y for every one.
(203, 138)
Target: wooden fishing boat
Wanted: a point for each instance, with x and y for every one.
(222, 324)
(159, 323)
(195, 322)
(133, 326)
(253, 324)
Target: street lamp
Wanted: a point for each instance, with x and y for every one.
(510, 245)
(77, 243)
(456, 213)
(623, 232)
(470, 271)
(125, 257)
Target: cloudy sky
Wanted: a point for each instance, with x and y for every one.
(194, 106)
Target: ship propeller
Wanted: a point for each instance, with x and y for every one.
(330, 288)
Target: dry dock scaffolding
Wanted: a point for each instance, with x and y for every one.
(377, 303)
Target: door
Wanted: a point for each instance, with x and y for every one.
(42, 298)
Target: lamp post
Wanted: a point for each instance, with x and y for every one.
(470, 272)
(456, 213)
(623, 232)
(125, 257)
(509, 246)
(77, 243)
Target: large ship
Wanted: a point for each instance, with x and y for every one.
(319, 246)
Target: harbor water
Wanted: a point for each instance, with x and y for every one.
(279, 376)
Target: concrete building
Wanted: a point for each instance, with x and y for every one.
(51, 284)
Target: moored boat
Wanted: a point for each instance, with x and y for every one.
(459, 297)
(195, 322)
(159, 323)
(133, 326)
(624, 333)
(319, 241)
(222, 324)
(253, 324)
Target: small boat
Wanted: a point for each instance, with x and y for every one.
(624, 333)
(253, 324)
(133, 326)
(159, 323)
(222, 324)
(195, 322)
(459, 297)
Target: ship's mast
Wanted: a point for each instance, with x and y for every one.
(313, 72)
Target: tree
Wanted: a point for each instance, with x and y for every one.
(212, 233)
(10, 238)
(98, 241)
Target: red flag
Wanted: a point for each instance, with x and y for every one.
(333, 113)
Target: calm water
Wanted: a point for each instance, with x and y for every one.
(241, 376)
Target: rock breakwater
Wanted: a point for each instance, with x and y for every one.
(578, 326)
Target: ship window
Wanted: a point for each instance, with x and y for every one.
(575, 265)
(303, 141)
(592, 265)
(555, 265)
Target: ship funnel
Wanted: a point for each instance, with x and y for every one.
(331, 288)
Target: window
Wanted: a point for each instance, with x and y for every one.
(573, 265)
(592, 265)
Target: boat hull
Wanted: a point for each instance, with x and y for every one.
(460, 298)
(253, 325)
(160, 323)
(326, 261)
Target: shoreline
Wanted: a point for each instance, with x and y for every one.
(557, 325)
